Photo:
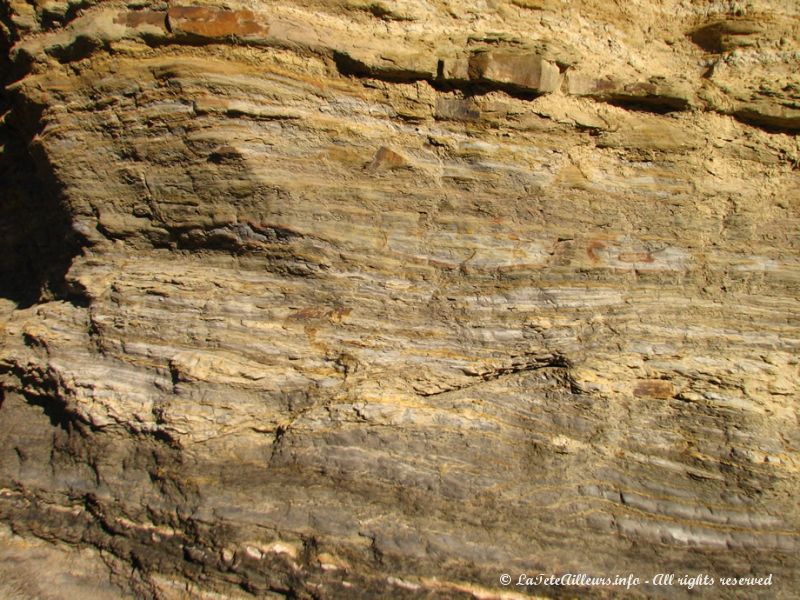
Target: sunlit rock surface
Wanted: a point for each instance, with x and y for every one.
(344, 299)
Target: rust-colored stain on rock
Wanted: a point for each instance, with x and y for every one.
(210, 22)
(592, 248)
(653, 388)
(141, 18)
(386, 158)
(636, 257)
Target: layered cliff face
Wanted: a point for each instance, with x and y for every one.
(341, 299)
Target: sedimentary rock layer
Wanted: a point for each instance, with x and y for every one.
(350, 299)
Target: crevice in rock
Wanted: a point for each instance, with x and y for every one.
(8, 36)
(770, 124)
(59, 416)
(83, 46)
(40, 388)
(481, 87)
(50, 20)
(727, 34)
(239, 237)
(659, 105)
(529, 364)
(380, 11)
(37, 241)
(350, 67)
(525, 366)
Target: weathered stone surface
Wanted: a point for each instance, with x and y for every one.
(725, 35)
(214, 23)
(525, 71)
(144, 19)
(363, 300)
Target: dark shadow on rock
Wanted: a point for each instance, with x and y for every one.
(37, 243)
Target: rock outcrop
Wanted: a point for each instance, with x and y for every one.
(350, 299)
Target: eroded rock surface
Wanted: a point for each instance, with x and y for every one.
(355, 299)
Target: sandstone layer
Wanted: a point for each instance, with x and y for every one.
(351, 299)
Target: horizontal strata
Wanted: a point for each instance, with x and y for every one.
(377, 298)
(446, 56)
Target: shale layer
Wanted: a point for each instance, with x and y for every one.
(350, 299)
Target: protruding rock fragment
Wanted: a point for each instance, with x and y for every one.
(770, 115)
(386, 160)
(722, 36)
(527, 71)
(655, 95)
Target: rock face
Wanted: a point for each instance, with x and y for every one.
(524, 71)
(344, 299)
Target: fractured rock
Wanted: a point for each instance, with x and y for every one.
(524, 71)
